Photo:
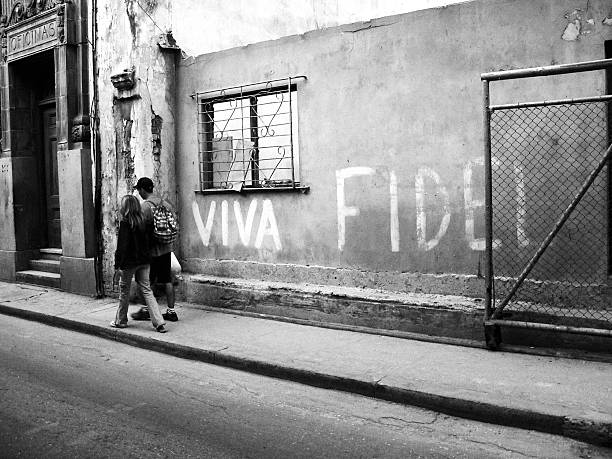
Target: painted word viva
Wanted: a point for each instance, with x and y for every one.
(268, 226)
(267, 223)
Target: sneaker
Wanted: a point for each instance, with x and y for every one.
(117, 325)
(141, 314)
(170, 316)
(161, 329)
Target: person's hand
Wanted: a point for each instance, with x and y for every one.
(116, 277)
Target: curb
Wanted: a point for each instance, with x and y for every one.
(586, 430)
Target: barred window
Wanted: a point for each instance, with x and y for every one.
(247, 137)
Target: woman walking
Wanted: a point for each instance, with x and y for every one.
(132, 257)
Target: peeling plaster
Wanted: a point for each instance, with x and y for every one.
(572, 31)
(123, 141)
(131, 14)
(130, 119)
(579, 23)
(156, 129)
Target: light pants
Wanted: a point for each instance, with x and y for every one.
(142, 279)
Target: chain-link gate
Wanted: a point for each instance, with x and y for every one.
(548, 210)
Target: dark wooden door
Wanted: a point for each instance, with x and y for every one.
(51, 177)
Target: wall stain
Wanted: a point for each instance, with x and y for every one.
(156, 130)
(579, 22)
(123, 142)
(131, 9)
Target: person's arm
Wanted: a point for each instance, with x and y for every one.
(122, 244)
(147, 211)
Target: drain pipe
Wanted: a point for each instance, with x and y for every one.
(95, 144)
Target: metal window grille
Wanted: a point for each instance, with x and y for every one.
(247, 137)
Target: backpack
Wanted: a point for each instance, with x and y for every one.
(165, 224)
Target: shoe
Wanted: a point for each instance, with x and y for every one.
(117, 325)
(141, 314)
(170, 316)
(161, 329)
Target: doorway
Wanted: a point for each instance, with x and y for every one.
(33, 135)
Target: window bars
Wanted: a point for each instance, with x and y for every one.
(247, 137)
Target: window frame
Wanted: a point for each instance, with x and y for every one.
(206, 137)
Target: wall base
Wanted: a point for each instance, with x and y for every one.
(78, 275)
(444, 316)
(12, 261)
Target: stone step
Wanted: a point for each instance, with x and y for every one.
(49, 266)
(32, 276)
(50, 254)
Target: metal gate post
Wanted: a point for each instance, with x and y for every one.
(492, 331)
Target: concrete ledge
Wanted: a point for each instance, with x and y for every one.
(587, 430)
(440, 315)
(442, 318)
(442, 284)
(596, 295)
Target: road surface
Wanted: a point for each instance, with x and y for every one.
(65, 394)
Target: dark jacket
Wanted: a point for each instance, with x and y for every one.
(133, 246)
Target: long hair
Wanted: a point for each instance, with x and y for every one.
(131, 212)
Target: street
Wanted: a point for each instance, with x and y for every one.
(67, 394)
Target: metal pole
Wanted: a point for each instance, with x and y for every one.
(95, 144)
(488, 201)
(545, 103)
(291, 133)
(585, 186)
(548, 70)
(558, 328)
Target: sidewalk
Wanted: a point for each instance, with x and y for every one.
(567, 397)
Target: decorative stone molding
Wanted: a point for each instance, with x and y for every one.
(60, 21)
(24, 9)
(3, 24)
(81, 131)
(125, 80)
(33, 26)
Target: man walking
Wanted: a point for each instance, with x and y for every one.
(161, 253)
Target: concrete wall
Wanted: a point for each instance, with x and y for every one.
(390, 122)
(136, 125)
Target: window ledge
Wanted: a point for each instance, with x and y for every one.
(268, 189)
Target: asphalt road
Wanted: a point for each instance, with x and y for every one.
(69, 395)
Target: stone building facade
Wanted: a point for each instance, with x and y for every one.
(47, 218)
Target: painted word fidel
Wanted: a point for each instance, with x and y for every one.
(31, 38)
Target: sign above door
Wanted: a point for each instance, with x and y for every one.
(38, 33)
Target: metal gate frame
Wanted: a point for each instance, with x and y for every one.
(493, 314)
